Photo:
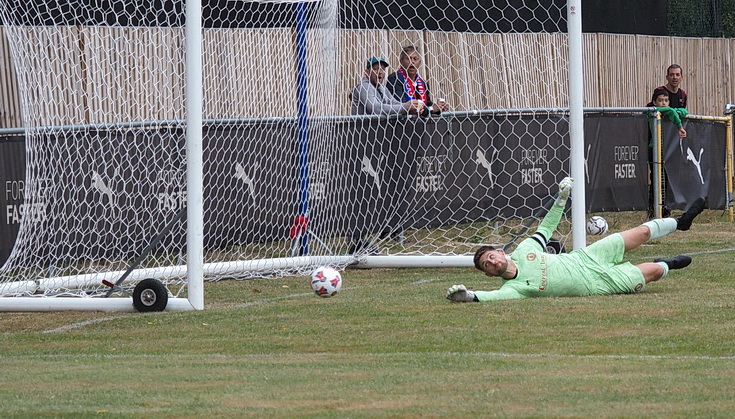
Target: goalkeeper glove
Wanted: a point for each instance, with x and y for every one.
(565, 188)
(460, 293)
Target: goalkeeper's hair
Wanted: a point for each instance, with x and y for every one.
(478, 254)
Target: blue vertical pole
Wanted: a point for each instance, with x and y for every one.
(303, 118)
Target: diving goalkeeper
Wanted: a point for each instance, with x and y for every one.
(593, 270)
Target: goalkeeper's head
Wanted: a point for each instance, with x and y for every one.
(491, 261)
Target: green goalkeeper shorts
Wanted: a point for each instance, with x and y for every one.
(606, 273)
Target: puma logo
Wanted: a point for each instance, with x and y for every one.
(482, 161)
(697, 163)
(240, 174)
(367, 167)
(101, 186)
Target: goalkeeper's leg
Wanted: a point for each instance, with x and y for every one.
(655, 229)
(659, 268)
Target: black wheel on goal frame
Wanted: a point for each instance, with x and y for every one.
(555, 246)
(150, 295)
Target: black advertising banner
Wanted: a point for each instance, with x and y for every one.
(359, 176)
(695, 165)
(532, 156)
(364, 176)
(450, 182)
(114, 197)
(247, 185)
(12, 176)
(433, 190)
(616, 162)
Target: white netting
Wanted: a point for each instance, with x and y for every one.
(290, 179)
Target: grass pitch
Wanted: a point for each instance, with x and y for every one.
(390, 345)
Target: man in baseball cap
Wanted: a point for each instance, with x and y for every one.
(371, 97)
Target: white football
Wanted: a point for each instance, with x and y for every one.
(326, 281)
(596, 226)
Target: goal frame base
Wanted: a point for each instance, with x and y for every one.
(40, 304)
(123, 304)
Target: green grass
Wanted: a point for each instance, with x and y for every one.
(390, 345)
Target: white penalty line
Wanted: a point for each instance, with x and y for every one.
(78, 325)
(333, 355)
(704, 252)
(73, 326)
(309, 294)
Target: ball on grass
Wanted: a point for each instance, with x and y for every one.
(326, 281)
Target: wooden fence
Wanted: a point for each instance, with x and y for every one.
(96, 74)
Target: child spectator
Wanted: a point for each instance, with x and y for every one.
(660, 100)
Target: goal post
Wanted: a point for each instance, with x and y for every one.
(245, 122)
(194, 156)
(576, 118)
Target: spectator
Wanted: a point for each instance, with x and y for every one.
(660, 101)
(406, 84)
(677, 95)
(371, 97)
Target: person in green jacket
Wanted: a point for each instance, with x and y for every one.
(660, 100)
(593, 270)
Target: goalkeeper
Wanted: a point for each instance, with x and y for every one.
(593, 270)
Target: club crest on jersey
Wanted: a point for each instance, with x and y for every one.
(531, 257)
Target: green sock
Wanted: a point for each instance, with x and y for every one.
(666, 268)
(661, 227)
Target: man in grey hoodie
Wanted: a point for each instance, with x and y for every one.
(370, 96)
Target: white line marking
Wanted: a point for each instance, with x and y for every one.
(80, 324)
(270, 300)
(426, 281)
(412, 355)
(713, 251)
(284, 297)
(705, 252)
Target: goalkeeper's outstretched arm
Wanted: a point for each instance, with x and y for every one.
(553, 217)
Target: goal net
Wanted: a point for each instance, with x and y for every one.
(292, 179)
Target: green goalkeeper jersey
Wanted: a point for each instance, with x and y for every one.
(589, 271)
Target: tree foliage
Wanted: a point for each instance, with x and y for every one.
(702, 18)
